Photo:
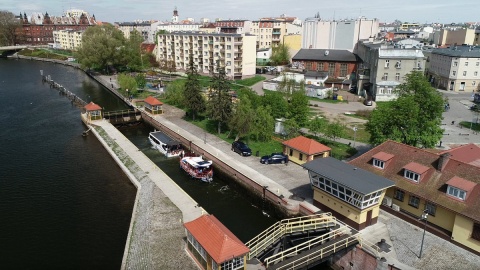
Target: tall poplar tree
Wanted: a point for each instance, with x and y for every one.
(219, 105)
(193, 98)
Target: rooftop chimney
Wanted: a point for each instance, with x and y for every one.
(443, 160)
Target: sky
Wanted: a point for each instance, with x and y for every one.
(426, 11)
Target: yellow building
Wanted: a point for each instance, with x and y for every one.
(294, 41)
(153, 105)
(213, 246)
(301, 149)
(92, 112)
(353, 195)
(68, 39)
(444, 185)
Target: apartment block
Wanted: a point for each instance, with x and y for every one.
(235, 52)
(67, 39)
(146, 29)
(384, 66)
(338, 35)
(270, 32)
(457, 37)
(455, 69)
(233, 26)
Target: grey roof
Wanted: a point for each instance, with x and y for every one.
(350, 176)
(459, 51)
(321, 74)
(321, 55)
(164, 138)
(193, 33)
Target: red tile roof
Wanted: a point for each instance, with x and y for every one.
(152, 101)
(147, 47)
(468, 153)
(416, 168)
(219, 242)
(433, 187)
(382, 156)
(306, 145)
(461, 183)
(92, 107)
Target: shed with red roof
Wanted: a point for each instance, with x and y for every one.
(213, 246)
(153, 105)
(93, 111)
(301, 149)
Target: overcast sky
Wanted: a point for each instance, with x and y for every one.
(443, 11)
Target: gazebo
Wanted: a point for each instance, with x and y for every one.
(153, 105)
(93, 111)
(213, 246)
(301, 149)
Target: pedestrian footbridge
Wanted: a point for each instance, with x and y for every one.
(301, 242)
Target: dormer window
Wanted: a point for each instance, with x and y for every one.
(378, 163)
(456, 192)
(380, 159)
(459, 188)
(411, 175)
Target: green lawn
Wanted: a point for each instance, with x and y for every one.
(361, 136)
(250, 81)
(43, 54)
(474, 126)
(339, 150)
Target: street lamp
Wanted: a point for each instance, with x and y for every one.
(424, 218)
(354, 135)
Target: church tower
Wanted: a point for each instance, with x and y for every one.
(175, 15)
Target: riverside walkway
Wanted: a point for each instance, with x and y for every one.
(155, 237)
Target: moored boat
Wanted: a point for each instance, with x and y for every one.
(165, 145)
(198, 168)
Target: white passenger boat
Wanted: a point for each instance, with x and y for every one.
(165, 144)
(198, 168)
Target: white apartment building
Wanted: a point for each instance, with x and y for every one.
(455, 69)
(67, 39)
(177, 27)
(384, 67)
(235, 52)
(146, 29)
(342, 34)
(271, 31)
(233, 26)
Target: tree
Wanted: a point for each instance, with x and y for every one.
(132, 52)
(168, 65)
(298, 108)
(280, 55)
(413, 119)
(101, 47)
(263, 124)
(316, 125)
(8, 28)
(193, 98)
(334, 130)
(242, 119)
(277, 103)
(174, 92)
(127, 82)
(140, 80)
(219, 105)
(292, 128)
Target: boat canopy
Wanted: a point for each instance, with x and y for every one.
(164, 138)
(198, 162)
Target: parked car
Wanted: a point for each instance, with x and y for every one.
(241, 148)
(274, 158)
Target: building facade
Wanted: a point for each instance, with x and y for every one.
(233, 26)
(38, 30)
(343, 34)
(270, 32)
(444, 184)
(67, 39)
(235, 52)
(384, 67)
(457, 37)
(301, 149)
(353, 195)
(455, 69)
(340, 64)
(146, 29)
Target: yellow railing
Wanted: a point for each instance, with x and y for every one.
(293, 251)
(319, 254)
(279, 229)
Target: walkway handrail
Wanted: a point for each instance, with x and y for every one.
(121, 112)
(279, 229)
(319, 254)
(369, 246)
(305, 246)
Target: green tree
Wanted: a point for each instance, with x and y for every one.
(174, 92)
(132, 56)
(263, 124)
(334, 130)
(277, 103)
(280, 55)
(254, 98)
(219, 105)
(316, 125)
(287, 86)
(242, 119)
(140, 80)
(298, 108)
(8, 28)
(194, 101)
(101, 47)
(127, 82)
(292, 128)
(413, 119)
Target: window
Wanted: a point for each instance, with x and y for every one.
(397, 77)
(411, 175)
(455, 63)
(300, 156)
(454, 73)
(430, 208)
(413, 201)
(464, 73)
(291, 152)
(476, 231)
(387, 63)
(398, 64)
(466, 64)
(385, 76)
(381, 90)
(475, 73)
(235, 263)
(456, 192)
(399, 195)
(477, 64)
(331, 69)
(343, 70)
(378, 163)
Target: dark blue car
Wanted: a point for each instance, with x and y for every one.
(274, 158)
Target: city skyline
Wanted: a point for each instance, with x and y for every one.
(429, 11)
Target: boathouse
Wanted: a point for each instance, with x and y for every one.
(153, 105)
(93, 112)
(301, 149)
(213, 246)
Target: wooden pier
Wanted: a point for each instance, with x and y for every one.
(80, 103)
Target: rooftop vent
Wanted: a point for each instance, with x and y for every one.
(326, 52)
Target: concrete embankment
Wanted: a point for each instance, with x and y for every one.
(155, 237)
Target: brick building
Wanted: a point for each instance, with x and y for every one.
(339, 64)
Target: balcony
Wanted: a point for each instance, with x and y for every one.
(237, 59)
(276, 33)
